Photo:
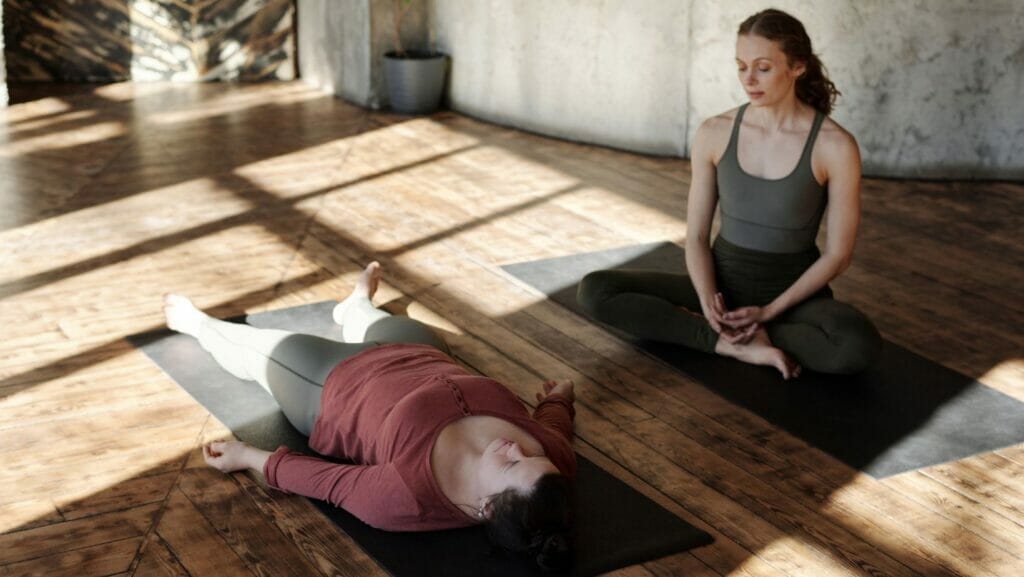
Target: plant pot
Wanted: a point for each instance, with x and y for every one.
(415, 81)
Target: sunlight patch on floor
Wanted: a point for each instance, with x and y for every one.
(654, 223)
(133, 91)
(50, 119)
(61, 139)
(1007, 377)
(198, 201)
(237, 101)
(25, 112)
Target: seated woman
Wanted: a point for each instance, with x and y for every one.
(431, 445)
(773, 167)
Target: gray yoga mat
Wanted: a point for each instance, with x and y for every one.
(616, 526)
(904, 413)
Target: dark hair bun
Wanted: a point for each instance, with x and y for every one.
(555, 552)
(539, 524)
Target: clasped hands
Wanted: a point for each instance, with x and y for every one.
(737, 326)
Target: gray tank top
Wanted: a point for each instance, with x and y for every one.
(779, 216)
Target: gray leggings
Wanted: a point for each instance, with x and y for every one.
(821, 333)
(294, 366)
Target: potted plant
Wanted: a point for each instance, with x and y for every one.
(415, 78)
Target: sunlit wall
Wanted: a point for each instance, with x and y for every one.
(118, 40)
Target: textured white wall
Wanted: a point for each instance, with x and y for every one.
(341, 44)
(334, 47)
(607, 71)
(930, 88)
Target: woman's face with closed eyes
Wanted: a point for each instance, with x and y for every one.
(764, 70)
(504, 465)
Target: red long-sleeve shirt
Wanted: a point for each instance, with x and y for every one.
(382, 411)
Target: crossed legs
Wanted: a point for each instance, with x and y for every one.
(821, 334)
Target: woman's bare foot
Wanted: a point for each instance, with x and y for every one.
(759, 351)
(365, 287)
(367, 284)
(182, 315)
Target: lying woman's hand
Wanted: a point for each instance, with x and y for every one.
(563, 388)
(227, 456)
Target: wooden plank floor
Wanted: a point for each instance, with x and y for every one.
(261, 196)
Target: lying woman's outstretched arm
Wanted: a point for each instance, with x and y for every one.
(375, 494)
(231, 456)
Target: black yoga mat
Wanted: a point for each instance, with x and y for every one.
(617, 526)
(904, 413)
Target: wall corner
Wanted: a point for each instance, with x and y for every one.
(3, 64)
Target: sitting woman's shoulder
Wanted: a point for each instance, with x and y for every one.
(835, 142)
(713, 133)
(834, 134)
(718, 123)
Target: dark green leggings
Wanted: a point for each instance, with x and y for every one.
(821, 333)
(294, 366)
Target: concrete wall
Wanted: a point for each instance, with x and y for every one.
(341, 44)
(334, 47)
(930, 88)
(606, 71)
